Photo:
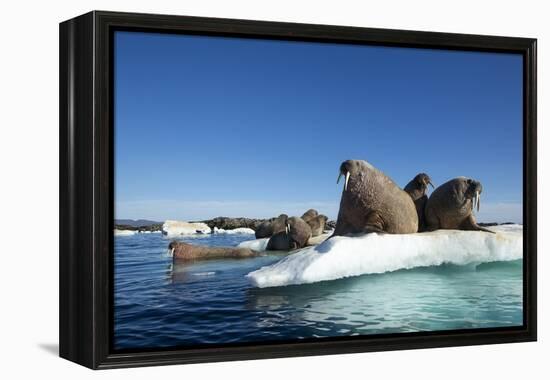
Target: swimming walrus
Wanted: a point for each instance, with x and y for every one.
(372, 202)
(186, 251)
(417, 189)
(271, 227)
(295, 236)
(317, 224)
(451, 205)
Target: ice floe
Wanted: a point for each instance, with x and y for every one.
(342, 257)
(178, 228)
(256, 244)
(261, 244)
(124, 232)
(242, 230)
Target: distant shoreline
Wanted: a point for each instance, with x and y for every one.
(225, 223)
(221, 222)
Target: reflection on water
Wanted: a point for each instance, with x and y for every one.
(159, 303)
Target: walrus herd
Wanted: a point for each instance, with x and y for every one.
(298, 231)
(371, 202)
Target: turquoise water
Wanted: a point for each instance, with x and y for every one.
(159, 303)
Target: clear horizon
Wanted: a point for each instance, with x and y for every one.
(217, 126)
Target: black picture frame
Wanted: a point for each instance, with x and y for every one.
(86, 187)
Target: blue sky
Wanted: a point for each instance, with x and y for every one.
(214, 126)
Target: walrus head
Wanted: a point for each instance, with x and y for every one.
(172, 247)
(422, 180)
(473, 192)
(278, 224)
(351, 168)
(309, 214)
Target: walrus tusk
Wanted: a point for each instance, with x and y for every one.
(431, 184)
(287, 228)
(478, 200)
(347, 179)
(172, 252)
(475, 201)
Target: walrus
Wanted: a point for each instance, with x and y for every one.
(372, 202)
(265, 229)
(186, 251)
(299, 232)
(270, 227)
(279, 242)
(309, 214)
(317, 224)
(417, 189)
(295, 236)
(451, 205)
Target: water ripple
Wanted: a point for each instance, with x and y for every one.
(161, 304)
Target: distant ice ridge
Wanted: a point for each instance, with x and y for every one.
(133, 232)
(242, 230)
(124, 232)
(177, 228)
(342, 257)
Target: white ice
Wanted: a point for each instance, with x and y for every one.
(242, 230)
(342, 257)
(124, 232)
(261, 244)
(177, 228)
(257, 244)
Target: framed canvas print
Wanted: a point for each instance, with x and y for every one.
(236, 189)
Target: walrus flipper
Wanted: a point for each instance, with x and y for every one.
(374, 223)
(370, 230)
(471, 224)
(479, 228)
(431, 222)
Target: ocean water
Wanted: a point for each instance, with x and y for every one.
(159, 303)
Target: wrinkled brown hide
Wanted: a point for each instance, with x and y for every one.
(317, 224)
(417, 188)
(271, 227)
(451, 206)
(186, 251)
(372, 202)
